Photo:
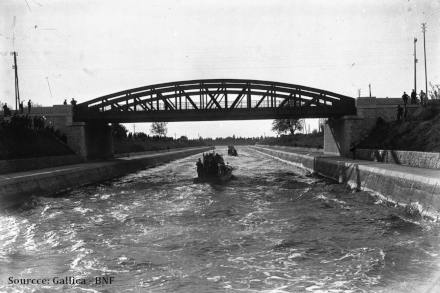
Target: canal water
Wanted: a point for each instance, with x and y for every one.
(269, 230)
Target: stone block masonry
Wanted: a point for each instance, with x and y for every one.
(428, 160)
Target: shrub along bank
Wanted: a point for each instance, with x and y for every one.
(153, 143)
(312, 140)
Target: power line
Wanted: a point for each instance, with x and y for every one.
(48, 85)
(13, 32)
(28, 5)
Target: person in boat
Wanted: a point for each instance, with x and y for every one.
(219, 159)
(232, 151)
(219, 169)
(211, 166)
(199, 165)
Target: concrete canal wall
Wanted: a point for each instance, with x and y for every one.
(407, 158)
(18, 165)
(397, 183)
(16, 187)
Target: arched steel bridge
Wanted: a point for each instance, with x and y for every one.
(215, 99)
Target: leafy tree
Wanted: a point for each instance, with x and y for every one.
(159, 128)
(183, 138)
(119, 131)
(282, 126)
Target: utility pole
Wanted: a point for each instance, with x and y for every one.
(415, 66)
(369, 88)
(17, 90)
(424, 54)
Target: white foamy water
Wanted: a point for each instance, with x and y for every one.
(269, 230)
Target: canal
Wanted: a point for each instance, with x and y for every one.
(271, 229)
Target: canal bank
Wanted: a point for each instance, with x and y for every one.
(401, 184)
(16, 187)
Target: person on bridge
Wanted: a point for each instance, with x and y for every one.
(73, 102)
(399, 112)
(65, 102)
(29, 106)
(405, 98)
(413, 97)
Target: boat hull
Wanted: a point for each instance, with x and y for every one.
(214, 179)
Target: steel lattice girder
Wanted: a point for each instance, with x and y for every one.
(186, 99)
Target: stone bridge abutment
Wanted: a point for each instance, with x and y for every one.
(340, 134)
(89, 140)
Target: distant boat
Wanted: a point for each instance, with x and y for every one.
(213, 169)
(232, 151)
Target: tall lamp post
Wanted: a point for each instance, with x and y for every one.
(415, 66)
(424, 54)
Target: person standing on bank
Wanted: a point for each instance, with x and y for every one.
(423, 98)
(6, 111)
(405, 98)
(413, 97)
(399, 112)
(29, 106)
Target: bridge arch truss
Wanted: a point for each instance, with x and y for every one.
(215, 99)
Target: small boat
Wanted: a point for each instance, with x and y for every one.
(232, 151)
(213, 169)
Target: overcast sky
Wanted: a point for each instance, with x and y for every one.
(88, 48)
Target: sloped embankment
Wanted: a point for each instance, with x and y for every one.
(20, 142)
(419, 132)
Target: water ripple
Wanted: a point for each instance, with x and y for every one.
(270, 230)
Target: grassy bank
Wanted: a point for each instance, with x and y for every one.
(419, 132)
(22, 137)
